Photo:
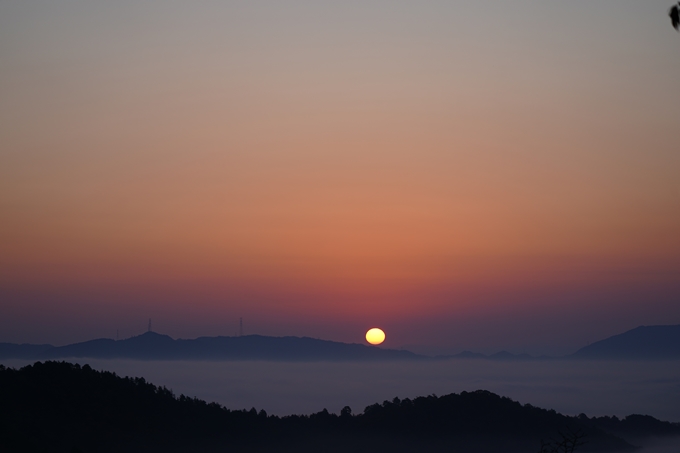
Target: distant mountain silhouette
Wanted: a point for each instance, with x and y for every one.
(22, 351)
(154, 346)
(644, 342)
(61, 407)
(502, 355)
(464, 355)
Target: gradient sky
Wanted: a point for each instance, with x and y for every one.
(465, 175)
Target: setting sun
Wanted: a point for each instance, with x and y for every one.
(375, 336)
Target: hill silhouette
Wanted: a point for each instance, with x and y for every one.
(154, 346)
(498, 356)
(22, 351)
(62, 407)
(641, 343)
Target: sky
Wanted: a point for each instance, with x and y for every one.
(465, 175)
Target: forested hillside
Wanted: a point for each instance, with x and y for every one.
(62, 407)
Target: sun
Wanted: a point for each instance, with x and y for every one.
(375, 336)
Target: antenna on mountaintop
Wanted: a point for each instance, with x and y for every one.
(240, 327)
(149, 324)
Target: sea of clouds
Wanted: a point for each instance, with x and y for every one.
(569, 387)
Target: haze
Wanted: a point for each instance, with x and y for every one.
(464, 175)
(284, 388)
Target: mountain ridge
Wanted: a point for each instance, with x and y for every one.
(64, 407)
(660, 342)
(155, 346)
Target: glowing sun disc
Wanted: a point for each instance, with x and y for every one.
(375, 336)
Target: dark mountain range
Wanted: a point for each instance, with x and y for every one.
(153, 346)
(645, 342)
(22, 351)
(61, 407)
(641, 343)
(502, 355)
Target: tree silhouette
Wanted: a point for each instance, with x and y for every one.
(567, 443)
(67, 408)
(674, 14)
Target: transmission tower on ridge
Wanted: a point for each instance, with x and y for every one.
(149, 324)
(240, 327)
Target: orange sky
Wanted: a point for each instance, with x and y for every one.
(342, 161)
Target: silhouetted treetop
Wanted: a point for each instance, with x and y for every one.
(62, 407)
(674, 13)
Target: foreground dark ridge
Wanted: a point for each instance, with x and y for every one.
(61, 407)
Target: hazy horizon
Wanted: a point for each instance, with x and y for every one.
(424, 350)
(596, 388)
